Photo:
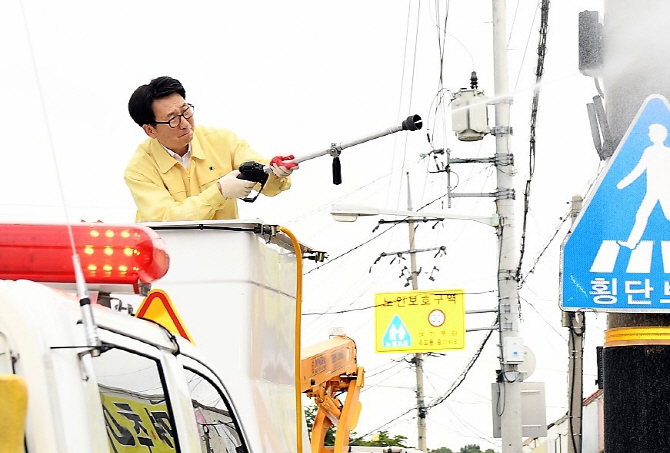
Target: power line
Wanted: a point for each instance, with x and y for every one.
(378, 305)
(465, 372)
(525, 50)
(392, 364)
(557, 230)
(369, 240)
(440, 400)
(411, 87)
(351, 250)
(539, 71)
(563, 219)
(477, 434)
(542, 317)
(511, 28)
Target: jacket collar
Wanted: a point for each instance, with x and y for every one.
(165, 161)
(196, 150)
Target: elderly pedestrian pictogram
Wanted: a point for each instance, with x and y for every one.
(396, 335)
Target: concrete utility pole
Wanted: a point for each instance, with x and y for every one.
(636, 355)
(418, 358)
(509, 379)
(576, 324)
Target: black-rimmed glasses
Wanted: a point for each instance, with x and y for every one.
(174, 121)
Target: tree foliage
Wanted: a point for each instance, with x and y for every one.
(383, 440)
(471, 448)
(310, 415)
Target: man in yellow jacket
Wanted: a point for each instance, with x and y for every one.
(188, 172)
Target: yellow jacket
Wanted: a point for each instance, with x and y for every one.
(164, 190)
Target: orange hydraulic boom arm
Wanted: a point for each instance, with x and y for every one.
(326, 370)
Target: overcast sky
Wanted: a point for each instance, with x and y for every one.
(294, 77)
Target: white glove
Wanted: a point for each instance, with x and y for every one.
(232, 187)
(280, 168)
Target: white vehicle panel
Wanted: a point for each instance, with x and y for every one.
(236, 294)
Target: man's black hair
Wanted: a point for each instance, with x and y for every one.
(142, 99)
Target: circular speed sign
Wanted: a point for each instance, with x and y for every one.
(436, 318)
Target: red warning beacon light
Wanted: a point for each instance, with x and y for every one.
(109, 254)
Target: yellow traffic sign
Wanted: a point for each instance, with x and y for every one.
(158, 307)
(420, 321)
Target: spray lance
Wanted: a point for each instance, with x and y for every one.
(257, 172)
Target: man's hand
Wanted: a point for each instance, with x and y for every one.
(282, 169)
(232, 187)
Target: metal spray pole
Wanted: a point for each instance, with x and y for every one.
(509, 380)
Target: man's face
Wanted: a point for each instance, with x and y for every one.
(174, 138)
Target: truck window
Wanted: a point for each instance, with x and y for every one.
(218, 429)
(134, 403)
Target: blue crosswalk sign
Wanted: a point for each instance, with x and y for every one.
(617, 257)
(396, 335)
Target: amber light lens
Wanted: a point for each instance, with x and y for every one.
(109, 254)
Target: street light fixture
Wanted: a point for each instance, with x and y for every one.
(349, 213)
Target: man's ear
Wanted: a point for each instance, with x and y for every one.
(150, 130)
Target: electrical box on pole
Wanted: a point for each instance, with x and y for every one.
(513, 350)
(590, 43)
(533, 409)
(469, 114)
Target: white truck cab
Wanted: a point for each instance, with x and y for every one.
(147, 390)
(141, 387)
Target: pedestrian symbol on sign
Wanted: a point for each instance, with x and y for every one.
(655, 161)
(396, 335)
(617, 257)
